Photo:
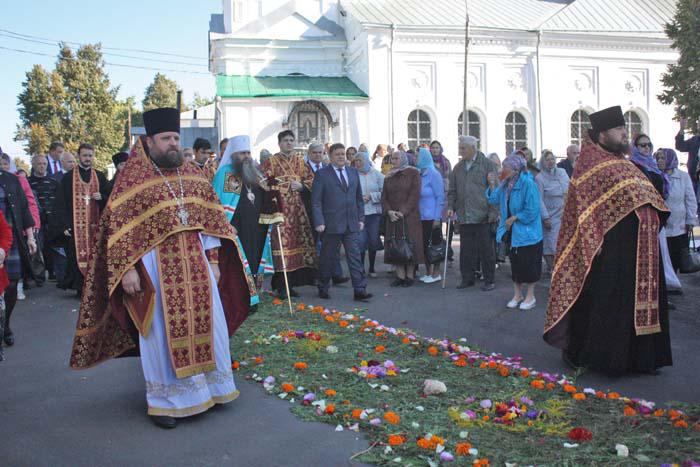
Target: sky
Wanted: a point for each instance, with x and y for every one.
(165, 26)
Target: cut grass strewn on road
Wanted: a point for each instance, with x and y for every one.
(356, 374)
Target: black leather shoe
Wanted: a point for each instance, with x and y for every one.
(324, 295)
(407, 283)
(362, 296)
(9, 338)
(164, 422)
(464, 284)
(396, 283)
(340, 280)
(488, 287)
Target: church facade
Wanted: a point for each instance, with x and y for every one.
(391, 71)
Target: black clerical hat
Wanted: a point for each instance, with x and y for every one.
(607, 119)
(161, 120)
(120, 157)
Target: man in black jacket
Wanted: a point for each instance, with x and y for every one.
(45, 188)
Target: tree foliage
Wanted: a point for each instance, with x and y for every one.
(682, 79)
(162, 92)
(200, 101)
(74, 103)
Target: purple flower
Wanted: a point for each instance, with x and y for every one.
(469, 400)
(389, 364)
(470, 414)
(532, 414)
(269, 381)
(486, 404)
(299, 334)
(525, 400)
(446, 456)
(375, 422)
(309, 397)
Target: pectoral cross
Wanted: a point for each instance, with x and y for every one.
(183, 215)
(87, 199)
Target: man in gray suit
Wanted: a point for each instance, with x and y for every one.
(339, 214)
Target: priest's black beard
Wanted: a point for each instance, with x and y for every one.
(248, 172)
(621, 148)
(169, 159)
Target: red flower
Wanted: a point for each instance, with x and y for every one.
(580, 434)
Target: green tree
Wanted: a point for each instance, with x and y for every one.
(75, 103)
(200, 101)
(21, 165)
(682, 79)
(162, 92)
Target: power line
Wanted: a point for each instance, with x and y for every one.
(32, 52)
(105, 53)
(153, 52)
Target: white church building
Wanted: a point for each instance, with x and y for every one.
(391, 71)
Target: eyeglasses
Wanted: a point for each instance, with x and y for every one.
(644, 145)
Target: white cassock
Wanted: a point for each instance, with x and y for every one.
(181, 397)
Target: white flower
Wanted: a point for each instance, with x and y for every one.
(433, 386)
(474, 452)
(397, 460)
(570, 445)
(384, 387)
(388, 449)
(464, 434)
(415, 425)
(339, 428)
(622, 450)
(332, 349)
(420, 408)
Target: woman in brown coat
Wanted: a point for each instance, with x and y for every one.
(400, 197)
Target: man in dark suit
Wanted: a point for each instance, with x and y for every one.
(339, 214)
(314, 160)
(54, 167)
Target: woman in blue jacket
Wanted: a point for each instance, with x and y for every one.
(520, 227)
(431, 204)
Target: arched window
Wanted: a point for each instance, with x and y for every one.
(418, 128)
(516, 132)
(579, 124)
(473, 125)
(310, 121)
(634, 124)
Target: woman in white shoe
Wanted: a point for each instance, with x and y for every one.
(432, 202)
(520, 227)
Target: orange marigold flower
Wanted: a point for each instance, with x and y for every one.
(346, 402)
(659, 413)
(493, 364)
(330, 392)
(629, 411)
(301, 307)
(486, 418)
(276, 301)
(462, 449)
(460, 362)
(525, 373)
(681, 424)
(357, 413)
(330, 409)
(432, 350)
(392, 417)
(300, 366)
(570, 389)
(286, 387)
(537, 384)
(613, 395)
(503, 371)
(482, 365)
(259, 360)
(235, 365)
(600, 394)
(406, 340)
(379, 348)
(396, 440)
(318, 309)
(551, 386)
(481, 463)
(330, 319)
(343, 324)
(674, 414)
(423, 443)
(579, 396)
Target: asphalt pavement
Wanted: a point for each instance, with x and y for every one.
(52, 415)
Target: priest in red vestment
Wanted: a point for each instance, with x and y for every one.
(151, 286)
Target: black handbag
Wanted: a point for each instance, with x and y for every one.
(37, 266)
(400, 250)
(435, 252)
(690, 260)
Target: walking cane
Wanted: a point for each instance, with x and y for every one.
(447, 249)
(284, 269)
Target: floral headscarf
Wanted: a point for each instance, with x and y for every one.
(671, 159)
(516, 163)
(546, 153)
(403, 163)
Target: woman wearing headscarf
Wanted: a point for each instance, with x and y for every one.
(442, 164)
(553, 183)
(371, 181)
(682, 203)
(519, 200)
(400, 203)
(431, 205)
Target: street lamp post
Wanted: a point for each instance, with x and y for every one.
(465, 112)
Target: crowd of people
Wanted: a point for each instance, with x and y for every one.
(222, 221)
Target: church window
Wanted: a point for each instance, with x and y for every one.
(634, 124)
(516, 132)
(473, 125)
(418, 128)
(580, 122)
